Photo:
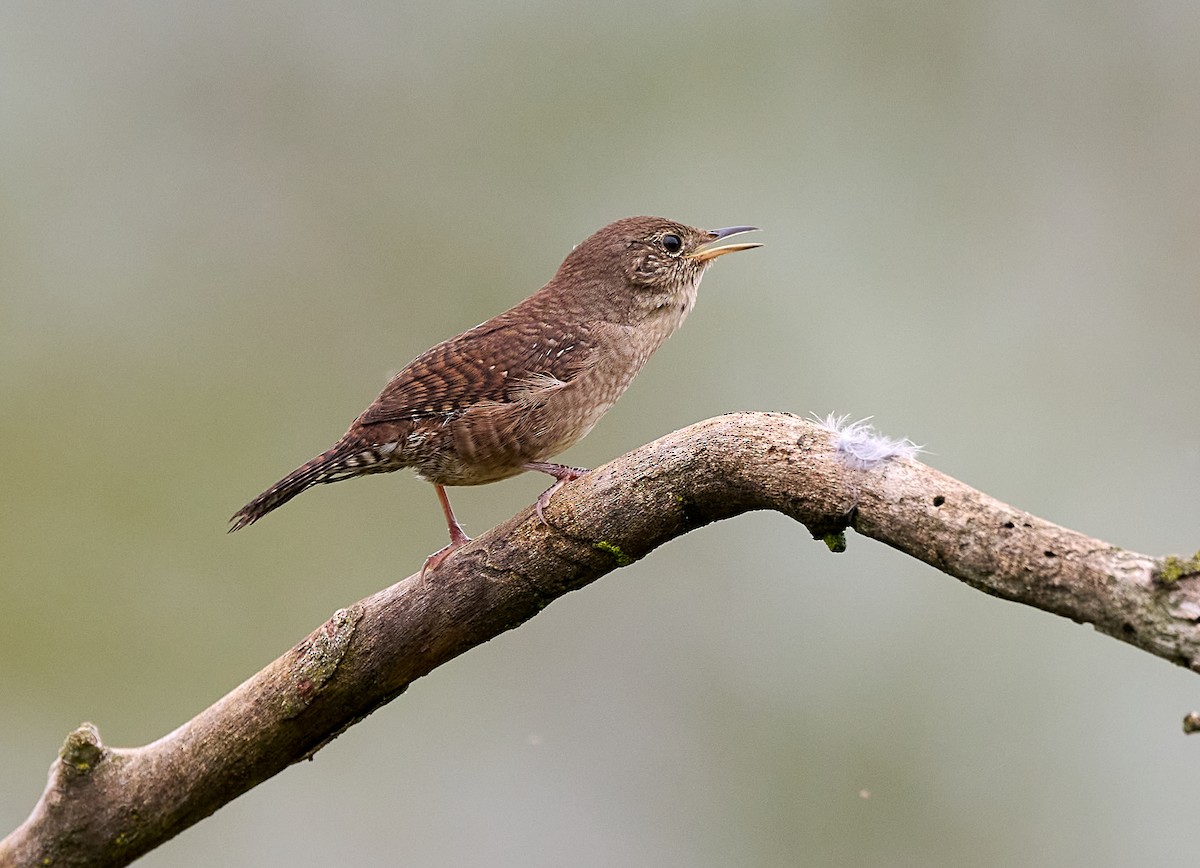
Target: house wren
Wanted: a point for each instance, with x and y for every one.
(503, 397)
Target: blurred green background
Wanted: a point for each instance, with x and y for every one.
(223, 226)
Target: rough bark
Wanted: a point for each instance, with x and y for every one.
(107, 806)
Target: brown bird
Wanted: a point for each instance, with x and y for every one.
(503, 397)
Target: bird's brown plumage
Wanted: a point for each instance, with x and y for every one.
(530, 382)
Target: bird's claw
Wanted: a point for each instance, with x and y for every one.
(544, 500)
(435, 560)
(562, 475)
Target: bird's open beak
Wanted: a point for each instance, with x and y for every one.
(710, 249)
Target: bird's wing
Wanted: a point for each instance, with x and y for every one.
(499, 361)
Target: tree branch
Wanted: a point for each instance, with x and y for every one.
(107, 806)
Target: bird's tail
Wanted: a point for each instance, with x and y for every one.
(337, 462)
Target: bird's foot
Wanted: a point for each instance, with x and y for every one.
(562, 475)
(458, 539)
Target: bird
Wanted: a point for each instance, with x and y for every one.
(516, 390)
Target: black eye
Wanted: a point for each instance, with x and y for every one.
(672, 243)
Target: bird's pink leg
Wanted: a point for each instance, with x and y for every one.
(562, 475)
(458, 536)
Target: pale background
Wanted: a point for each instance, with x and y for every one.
(222, 228)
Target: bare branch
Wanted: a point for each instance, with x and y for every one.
(107, 806)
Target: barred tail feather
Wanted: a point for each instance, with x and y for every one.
(330, 466)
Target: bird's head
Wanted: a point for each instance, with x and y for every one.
(649, 261)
